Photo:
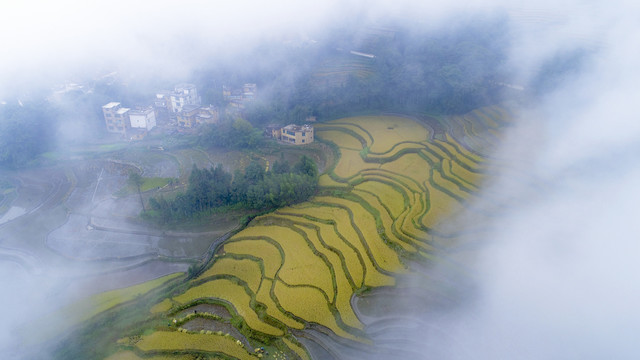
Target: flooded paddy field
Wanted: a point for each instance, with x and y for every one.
(79, 222)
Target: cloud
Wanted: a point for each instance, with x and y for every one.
(43, 39)
(556, 276)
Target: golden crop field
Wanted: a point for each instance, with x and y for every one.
(303, 263)
(451, 186)
(410, 165)
(244, 269)
(340, 138)
(308, 303)
(459, 156)
(262, 249)
(342, 219)
(326, 181)
(364, 135)
(395, 150)
(400, 182)
(390, 196)
(384, 256)
(355, 267)
(437, 151)
(409, 245)
(264, 296)
(342, 299)
(466, 178)
(233, 293)
(351, 163)
(388, 131)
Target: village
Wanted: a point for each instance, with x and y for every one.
(181, 110)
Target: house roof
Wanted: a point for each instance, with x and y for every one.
(293, 127)
(111, 105)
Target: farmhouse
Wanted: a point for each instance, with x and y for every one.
(274, 131)
(292, 134)
(237, 98)
(116, 118)
(142, 118)
(183, 94)
(192, 115)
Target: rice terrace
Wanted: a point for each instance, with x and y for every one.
(291, 279)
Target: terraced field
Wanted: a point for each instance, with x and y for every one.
(387, 200)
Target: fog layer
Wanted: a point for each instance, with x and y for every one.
(556, 276)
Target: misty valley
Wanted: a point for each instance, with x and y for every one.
(319, 194)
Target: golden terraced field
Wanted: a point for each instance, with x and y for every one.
(385, 201)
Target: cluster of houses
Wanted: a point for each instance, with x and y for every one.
(182, 106)
(134, 123)
(237, 98)
(185, 106)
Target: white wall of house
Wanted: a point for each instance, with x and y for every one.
(145, 120)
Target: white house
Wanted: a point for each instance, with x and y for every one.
(116, 117)
(142, 118)
(183, 94)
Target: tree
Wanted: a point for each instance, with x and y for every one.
(306, 166)
(26, 131)
(254, 172)
(136, 180)
(280, 167)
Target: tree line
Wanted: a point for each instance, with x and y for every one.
(235, 133)
(25, 131)
(254, 188)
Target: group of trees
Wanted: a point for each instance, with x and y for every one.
(26, 131)
(232, 134)
(255, 188)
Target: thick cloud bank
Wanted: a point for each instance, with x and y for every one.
(557, 275)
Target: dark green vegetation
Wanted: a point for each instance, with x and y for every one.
(256, 189)
(448, 71)
(232, 134)
(25, 132)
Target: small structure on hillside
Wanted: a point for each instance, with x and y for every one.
(116, 118)
(193, 115)
(238, 98)
(292, 134)
(170, 103)
(142, 118)
(183, 94)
